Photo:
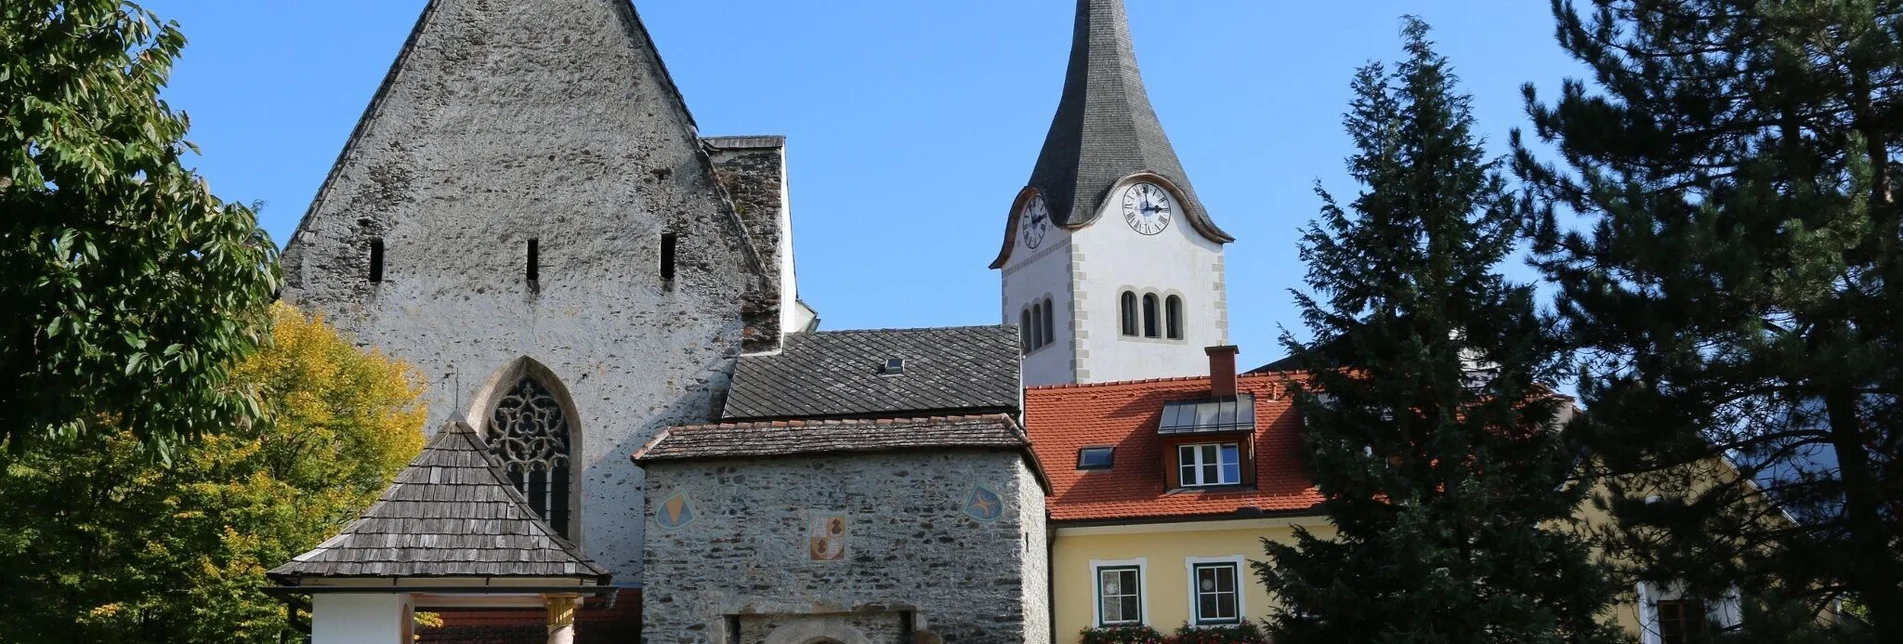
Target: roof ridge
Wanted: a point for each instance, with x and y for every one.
(830, 422)
(1147, 381)
(920, 329)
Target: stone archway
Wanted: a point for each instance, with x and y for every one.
(817, 630)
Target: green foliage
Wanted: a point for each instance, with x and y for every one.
(100, 544)
(1734, 284)
(1244, 632)
(1121, 635)
(129, 289)
(1432, 438)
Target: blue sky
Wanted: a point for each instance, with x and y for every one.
(910, 124)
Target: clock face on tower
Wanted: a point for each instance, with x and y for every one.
(1034, 221)
(1147, 207)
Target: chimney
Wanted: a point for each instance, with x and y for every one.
(1222, 370)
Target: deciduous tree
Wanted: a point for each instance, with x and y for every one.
(100, 543)
(129, 290)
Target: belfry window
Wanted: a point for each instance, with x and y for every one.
(530, 434)
(1173, 317)
(1127, 312)
(1024, 329)
(1149, 316)
(1050, 327)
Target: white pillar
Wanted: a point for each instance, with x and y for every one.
(366, 618)
(561, 617)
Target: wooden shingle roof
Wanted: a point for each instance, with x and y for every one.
(451, 513)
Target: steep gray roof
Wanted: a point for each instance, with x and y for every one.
(1105, 128)
(450, 513)
(837, 374)
(802, 437)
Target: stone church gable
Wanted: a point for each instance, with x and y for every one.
(528, 187)
(505, 122)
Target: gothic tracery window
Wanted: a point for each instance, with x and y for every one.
(530, 434)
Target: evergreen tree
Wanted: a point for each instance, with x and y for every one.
(1735, 289)
(1434, 443)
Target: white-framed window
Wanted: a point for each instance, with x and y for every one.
(1666, 616)
(1215, 589)
(1204, 464)
(1121, 600)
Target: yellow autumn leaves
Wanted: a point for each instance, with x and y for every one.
(101, 541)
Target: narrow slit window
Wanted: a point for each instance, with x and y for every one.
(1149, 316)
(1127, 311)
(1050, 327)
(667, 256)
(376, 260)
(535, 260)
(1173, 317)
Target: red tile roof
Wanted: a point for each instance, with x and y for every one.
(1065, 418)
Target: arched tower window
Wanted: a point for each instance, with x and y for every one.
(1037, 326)
(1173, 317)
(1150, 316)
(1127, 312)
(1050, 314)
(529, 432)
(1024, 329)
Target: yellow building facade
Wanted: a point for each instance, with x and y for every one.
(1166, 557)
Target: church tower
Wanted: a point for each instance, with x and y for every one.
(1110, 265)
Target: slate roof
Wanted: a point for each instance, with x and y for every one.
(806, 437)
(1105, 128)
(836, 374)
(1065, 418)
(450, 513)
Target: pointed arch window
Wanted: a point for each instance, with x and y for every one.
(529, 432)
(1050, 326)
(1150, 316)
(1173, 317)
(1127, 312)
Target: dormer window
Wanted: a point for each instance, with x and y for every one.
(1226, 414)
(1095, 458)
(1208, 442)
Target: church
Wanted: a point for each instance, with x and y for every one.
(638, 429)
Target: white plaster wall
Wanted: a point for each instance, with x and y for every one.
(791, 317)
(1031, 275)
(360, 619)
(1111, 257)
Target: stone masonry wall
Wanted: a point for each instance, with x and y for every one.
(550, 120)
(909, 544)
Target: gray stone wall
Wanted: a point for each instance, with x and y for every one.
(909, 544)
(550, 120)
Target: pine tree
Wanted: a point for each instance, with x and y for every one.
(1734, 286)
(1434, 442)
